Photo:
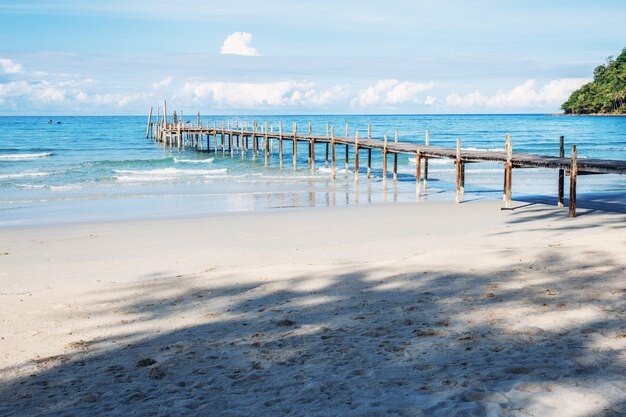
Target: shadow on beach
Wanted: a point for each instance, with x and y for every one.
(367, 342)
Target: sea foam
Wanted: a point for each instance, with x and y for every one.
(24, 156)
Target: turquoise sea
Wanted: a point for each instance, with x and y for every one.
(103, 168)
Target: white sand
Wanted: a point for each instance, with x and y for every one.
(418, 309)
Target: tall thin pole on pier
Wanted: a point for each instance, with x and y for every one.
(573, 174)
(508, 172)
(347, 150)
(327, 144)
(418, 172)
(385, 162)
(561, 186)
(356, 157)
(149, 122)
(395, 159)
(164, 114)
(427, 143)
(280, 142)
(223, 140)
(332, 150)
(295, 145)
(459, 197)
(267, 147)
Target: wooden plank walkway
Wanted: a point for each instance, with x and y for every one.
(242, 139)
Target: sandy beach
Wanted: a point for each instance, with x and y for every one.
(429, 309)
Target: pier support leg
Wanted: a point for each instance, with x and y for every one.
(369, 162)
(395, 166)
(561, 185)
(418, 173)
(384, 168)
(326, 159)
(573, 174)
(347, 159)
(458, 164)
(312, 148)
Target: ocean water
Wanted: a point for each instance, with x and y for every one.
(103, 168)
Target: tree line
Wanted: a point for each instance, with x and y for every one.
(606, 94)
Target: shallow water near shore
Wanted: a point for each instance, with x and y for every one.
(102, 168)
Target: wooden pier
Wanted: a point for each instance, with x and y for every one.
(244, 138)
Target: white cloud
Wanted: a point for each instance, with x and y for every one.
(525, 95)
(390, 93)
(8, 66)
(238, 43)
(165, 82)
(255, 95)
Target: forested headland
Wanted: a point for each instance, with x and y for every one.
(606, 94)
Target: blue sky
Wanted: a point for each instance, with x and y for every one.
(119, 57)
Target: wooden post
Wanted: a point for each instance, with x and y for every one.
(295, 145)
(427, 142)
(312, 147)
(458, 171)
(347, 150)
(385, 162)
(332, 150)
(230, 142)
(418, 172)
(215, 136)
(164, 114)
(149, 121)
(280, 142)
(369, 130)
(561, 186)
(267, 148)
(242, 147)
(573, 174)
(395, 159)
(327, 145)
(223, 140)
(254, 142)
(369, 162)
(508, 172)
(356, 157)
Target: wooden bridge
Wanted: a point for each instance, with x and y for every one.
(243, 138)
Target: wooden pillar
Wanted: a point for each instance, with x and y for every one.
(459, 197)
(427, 142)
(332, 150)
(385, 161)
(242, 147)
(295, 145)
(215, 136)
(280, 142)
(508, 172)
(312, 147)
(573, 174)
(327, 145)
(561, 185)
(356, 157)
(369, 162)
(230, 143)
(395, 159)
(418, 172)
(164, 114)
(223, 140)
(254, 142)
(267, 147)
(149, 121)
(369, 130)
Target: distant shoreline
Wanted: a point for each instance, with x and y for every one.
(590, 114)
